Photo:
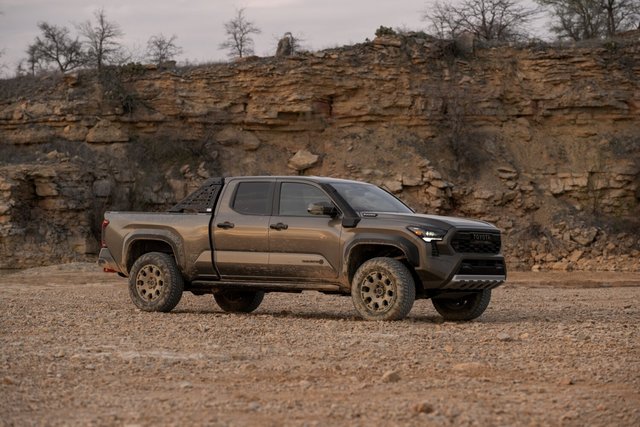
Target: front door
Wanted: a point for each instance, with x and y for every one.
(303, 246)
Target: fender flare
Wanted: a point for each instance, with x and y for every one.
(169, 237)
(407, 247)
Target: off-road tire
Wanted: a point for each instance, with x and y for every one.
(383, 289)
(465, 308)
(155, 282)
(235, 301)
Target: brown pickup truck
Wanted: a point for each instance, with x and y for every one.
(237, 238)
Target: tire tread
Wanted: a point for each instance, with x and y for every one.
(405, 286)
(175, 286)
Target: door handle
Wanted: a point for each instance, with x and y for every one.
(279, 226)
(226, 225)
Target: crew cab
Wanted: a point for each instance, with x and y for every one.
(241, 237)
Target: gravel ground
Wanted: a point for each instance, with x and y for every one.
(548, 351)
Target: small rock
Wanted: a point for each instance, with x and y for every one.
(584, 237)
(566, 381)
(228, 136)
(571, 415)
(393, 185)
(423, 408)
(470, 367)
(504, 337)
(253, 406)
(390, 377)
(412, 179)
(305, 384)
(250, 142)
(8, 381)
(186, 385)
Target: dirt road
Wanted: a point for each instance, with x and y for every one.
(548, 351)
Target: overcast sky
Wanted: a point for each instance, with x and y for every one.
(199, 24)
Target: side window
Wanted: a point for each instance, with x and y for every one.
(253, 198)
(295, 198)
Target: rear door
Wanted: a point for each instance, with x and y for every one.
(301, 245)
(240, 229)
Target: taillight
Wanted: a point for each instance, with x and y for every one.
(104, 228)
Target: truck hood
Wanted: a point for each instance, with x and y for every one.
(442, 222)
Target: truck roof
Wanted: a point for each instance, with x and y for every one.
(319, 179)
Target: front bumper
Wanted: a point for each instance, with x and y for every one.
(106, 261)
(455, 271)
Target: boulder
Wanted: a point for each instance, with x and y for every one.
(303, 160)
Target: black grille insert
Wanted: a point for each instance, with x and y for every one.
(472, 242)
(478, 267)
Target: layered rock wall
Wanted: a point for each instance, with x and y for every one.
(543, 141)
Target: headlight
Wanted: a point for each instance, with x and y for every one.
(428, 234)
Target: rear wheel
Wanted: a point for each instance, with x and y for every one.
(383, 289)
(234, 301)
(155, 282)
(467, 307)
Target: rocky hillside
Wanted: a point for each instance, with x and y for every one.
(543, 141)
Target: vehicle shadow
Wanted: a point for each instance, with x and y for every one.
(316, 315)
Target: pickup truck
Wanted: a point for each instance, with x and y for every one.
(239, 238)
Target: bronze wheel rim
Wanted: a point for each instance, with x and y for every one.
(150, 283)
(378, 292)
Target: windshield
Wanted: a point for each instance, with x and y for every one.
(369, 198)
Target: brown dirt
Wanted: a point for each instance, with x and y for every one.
(552, 349)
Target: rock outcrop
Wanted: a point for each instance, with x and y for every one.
(541, 140)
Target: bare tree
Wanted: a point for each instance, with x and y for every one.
(444, 20)
(589, 19)
(56, 46)
(161, 49)
(33, 61)
(101, 40)
(503, 20)
(239, 42)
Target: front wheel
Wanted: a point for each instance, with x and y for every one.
(234, 301)
(155, 282)
(467, 307)
(383, 289)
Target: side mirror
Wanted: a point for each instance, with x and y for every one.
(322, 208)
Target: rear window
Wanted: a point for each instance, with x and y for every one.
(253, 198)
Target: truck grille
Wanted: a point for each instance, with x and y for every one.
(470, 242)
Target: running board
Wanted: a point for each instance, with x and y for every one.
(211, 286)
(473, 281)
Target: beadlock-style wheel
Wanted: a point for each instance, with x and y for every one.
(378, 292)
(150, 282)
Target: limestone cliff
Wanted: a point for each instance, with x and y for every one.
(543, 141)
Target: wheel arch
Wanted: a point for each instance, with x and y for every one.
(361, 250)
(138, 244)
